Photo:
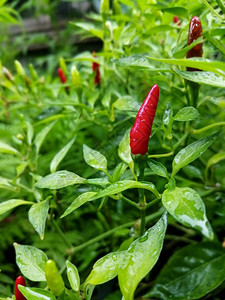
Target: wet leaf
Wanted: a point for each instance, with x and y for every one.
(10, 204)
(188, 113)
(73, 276)
(158, 168)
(36, 293)
(5, 148)
(95, 159)
(187, 207)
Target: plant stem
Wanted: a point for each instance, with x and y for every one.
(130, 201)
(112, 231)
(161, 155)
(142, 200)
(152, 202)
(203, 129)
(61, 233)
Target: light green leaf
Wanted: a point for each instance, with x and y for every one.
(191, 152)
(80, 200)
(59, 180)
(121, 186)
(203, 77)
(5, 148)
(187, 207)
(177, 11)
(106, 268)
(126, 103)
(181, 53)
(187, 113)
(31, 262)
(36, 293)
(124, 151)
(158, 168)
(59, 156)
(90, 28)
(10, 204)
(168, 114)
(37, 216)
(30, 133)
(138, 60)
(215, 159)
(73, 276)
(95, 159)
(197, 62)
(42, 135)
(140, 258)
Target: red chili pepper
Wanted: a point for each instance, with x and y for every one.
(96, 69)
(195, 31)
(19, 280)
(62, 76)
(141, 130)
(176, 20)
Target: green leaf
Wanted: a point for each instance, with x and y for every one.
(168, 114)
(73, 276)
(140, 258)
(203, 77)
(181, 53)
(5, 148)
(105, 269)
(197, 62)
(95, 159)
(177, 11)
(138, 60)
(30, 133)
(158, 168)
(10, 204)
(36, 293)
(31, 262)
(187, 207)
(90, 28)
(80, 200)
(121, 186)
(42, 135)
(215, 159)
(59, 156)
(184, 276)
(187, 113)
(59, 180)
(191, 152)
(124, 151)
(37, 216)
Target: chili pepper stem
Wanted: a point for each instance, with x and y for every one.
(142, 199)
(206, 128)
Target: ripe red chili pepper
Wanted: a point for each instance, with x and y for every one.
(19, 280)
(62, 76)
(141, 130)
(195, 31)
(96, 69)
(176, 20)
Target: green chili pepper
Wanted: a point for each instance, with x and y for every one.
(53, 278)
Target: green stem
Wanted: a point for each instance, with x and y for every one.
(142, 200)
(152, 202)
(221, 5)
(129, 201)
(212, 9)
(112, 231)
(206, 128)
(69, 245)
(161, 155)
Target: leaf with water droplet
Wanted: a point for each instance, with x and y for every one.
(140, 258)
(59, 180)
(36, 293)
(73, 276)
(95, 159)
(191, 152)
(187, 113)
(10, 204)
(105, 269)
(37, 216)
(31, 262)
(187, 207)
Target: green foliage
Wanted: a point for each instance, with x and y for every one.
(70, 188)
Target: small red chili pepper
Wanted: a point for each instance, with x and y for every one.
(176, 20)
(19, 280)
(195, 31)
(141, 130)
(62, 76)
(96, 69)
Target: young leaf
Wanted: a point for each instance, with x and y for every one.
(42, 135)
(5, 148)
(191, 152)
(36, 293)
(140, 258)
(30, 132)
(59, 180)
(31, 262)
(215, 159)
(10, 204)
(95, 159)
(158, 168)
(80, 200)
(191, 281)
(73, 276)
(105, 269)
(121, 186)
(168, 114)
(59, 156)
(188, 113)
(37, 216)
(187, 207)
(124, 151)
